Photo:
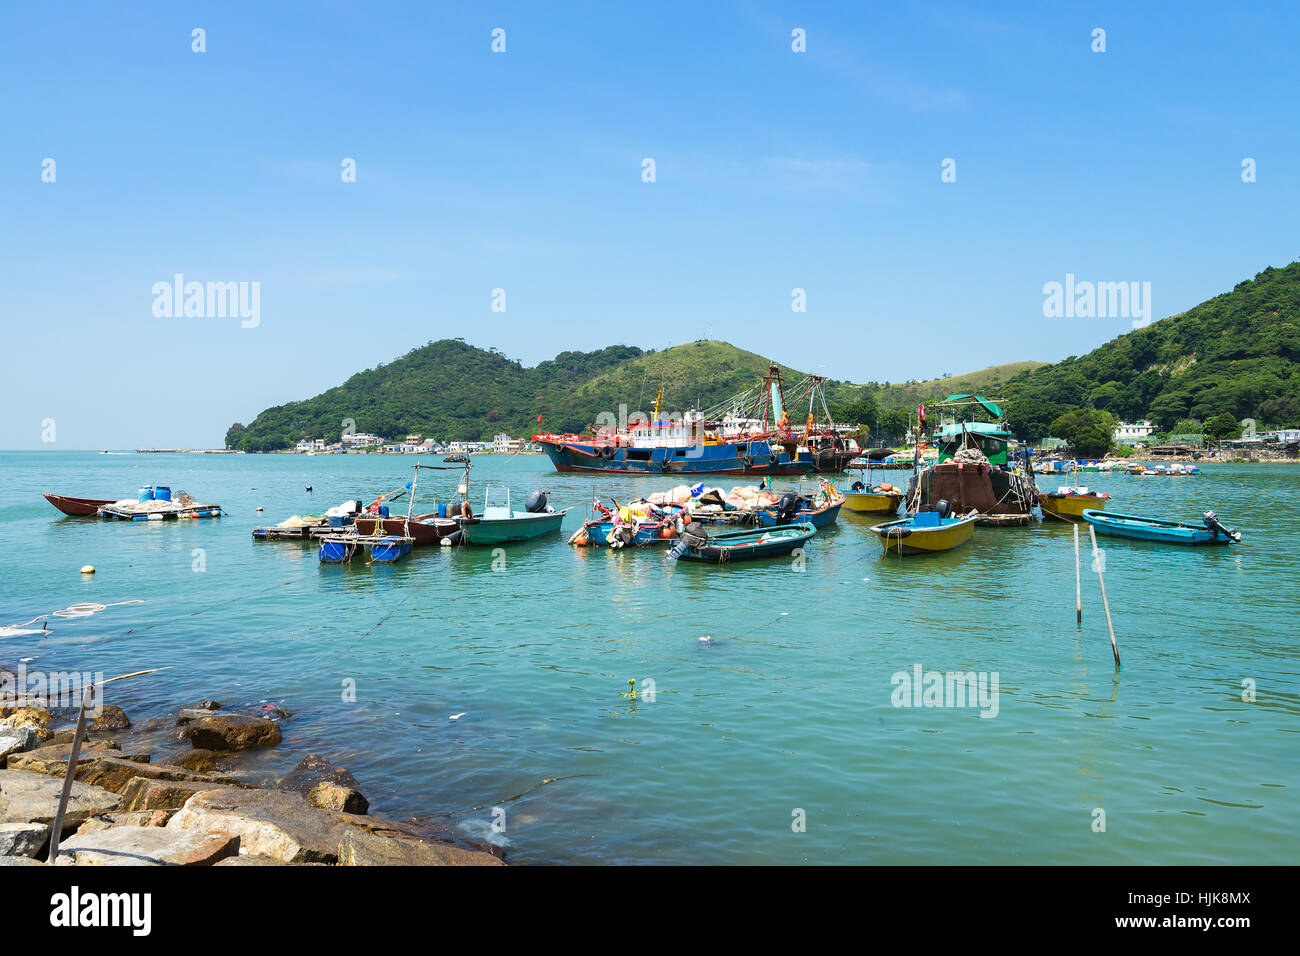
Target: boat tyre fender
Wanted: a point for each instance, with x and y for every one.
(607, 453)
(747, 461)
(772, 459)
(857, 486)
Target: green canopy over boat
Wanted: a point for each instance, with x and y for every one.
(993, 408)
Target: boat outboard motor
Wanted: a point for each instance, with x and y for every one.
(787, 506)
(944, 507)
(693, 538)
(1212, 522)
(535, 503)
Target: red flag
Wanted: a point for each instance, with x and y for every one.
(539, 419)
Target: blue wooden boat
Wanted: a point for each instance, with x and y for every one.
(819, 516)
(1211, 531)
(741, 545)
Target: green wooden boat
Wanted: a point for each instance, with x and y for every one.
(742, 545)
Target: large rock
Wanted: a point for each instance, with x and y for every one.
(107, 821)
(326, 786)
(113, 773)
(16, 740)
(35, 719)
(53, 758)
(145, 794)
(34, 798)
(278, 823)
(270, 823)
(110, 718)
(19, 861)
(359, 848)
(147, 846)
(231, 732)
(201, 760)
(23, 839)
(333, 796)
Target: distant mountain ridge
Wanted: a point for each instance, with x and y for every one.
(1238, 352)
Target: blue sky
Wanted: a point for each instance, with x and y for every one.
(521, 170)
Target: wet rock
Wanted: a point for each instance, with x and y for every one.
(27, 797)
(23, 839)
(204, 761)
(208, 705)
(358, 848)
(231, 732)
(110, 718)
(332, 796)
(272, 823)
(147, 846)
(256, 859)
(325, 785)
(116, 774)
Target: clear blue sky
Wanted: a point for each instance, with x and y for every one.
(522, 171)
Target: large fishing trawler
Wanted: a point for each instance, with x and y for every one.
(749, 434)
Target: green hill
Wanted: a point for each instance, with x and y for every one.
(453, 391)
(1238, 353)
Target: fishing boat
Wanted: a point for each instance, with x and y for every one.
(868, 498)
(820, 511)
(1069, 503)
(926, 532)
(429, 528)
(730, 546)
(77, 507)
(1210, 531)
(977, 466)
(637, 524)
(748, 434)
(499, 524)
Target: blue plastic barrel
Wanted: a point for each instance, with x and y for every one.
(383, 511)
(146, 493)
(442, 510)
(162, 493)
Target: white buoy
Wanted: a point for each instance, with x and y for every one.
(88, 569)
(259, 509)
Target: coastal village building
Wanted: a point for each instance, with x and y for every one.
(360, 440)
(1129, 432)
(310, 444)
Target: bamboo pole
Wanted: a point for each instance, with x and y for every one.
(77, 737)
(1092, 532)
(1078, 584)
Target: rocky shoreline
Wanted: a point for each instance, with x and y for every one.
(191, 808)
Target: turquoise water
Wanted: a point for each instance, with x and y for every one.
(787, 707)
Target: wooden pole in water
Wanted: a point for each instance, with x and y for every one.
(1078, 584)
(1104, 603)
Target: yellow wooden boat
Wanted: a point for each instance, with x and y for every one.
(925, 533)
(872, 502)
(1070, 505)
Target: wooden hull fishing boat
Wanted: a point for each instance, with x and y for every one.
(77, 507)
(733, 546)
(819, 516)
(426, 529)
(1070, 505)
(873, 502)
(125, 513)
(1165, 532)
(925, 533)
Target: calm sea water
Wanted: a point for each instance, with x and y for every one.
(787, 708)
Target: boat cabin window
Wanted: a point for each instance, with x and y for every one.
(638, 454)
